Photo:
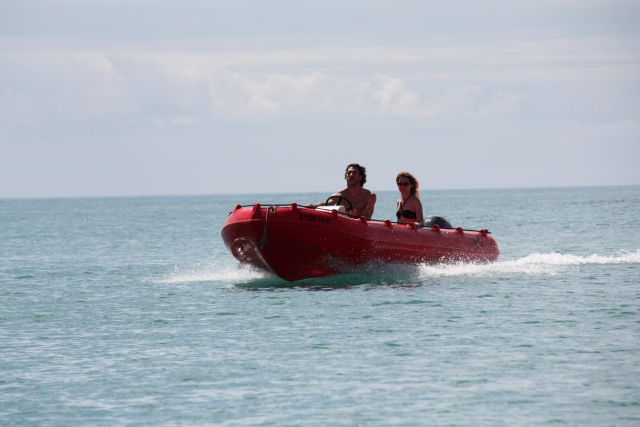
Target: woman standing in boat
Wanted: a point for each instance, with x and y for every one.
(409, 205)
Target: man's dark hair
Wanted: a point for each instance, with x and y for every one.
(361, 170)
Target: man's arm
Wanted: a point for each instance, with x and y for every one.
(369, 207)
(330, 203)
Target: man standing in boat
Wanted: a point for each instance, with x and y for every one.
(363, 200)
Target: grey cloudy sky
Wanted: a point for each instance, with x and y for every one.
(109, 97)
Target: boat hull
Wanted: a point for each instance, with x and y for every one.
(297, 243)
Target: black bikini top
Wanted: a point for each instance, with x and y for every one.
(405, 213)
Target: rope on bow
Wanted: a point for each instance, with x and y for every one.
(264, 242)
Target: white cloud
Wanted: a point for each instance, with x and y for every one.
(395, 99)
(185, 89)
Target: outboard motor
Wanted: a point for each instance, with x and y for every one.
(430, 221)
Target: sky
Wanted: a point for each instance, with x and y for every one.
(140, 97)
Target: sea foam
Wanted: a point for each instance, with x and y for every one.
(217, 272)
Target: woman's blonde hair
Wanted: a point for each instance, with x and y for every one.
(415, 189)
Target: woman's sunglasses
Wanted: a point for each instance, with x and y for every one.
(402, 184)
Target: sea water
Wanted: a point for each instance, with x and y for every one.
(130, 311)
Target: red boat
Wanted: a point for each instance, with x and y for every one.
(296, 243)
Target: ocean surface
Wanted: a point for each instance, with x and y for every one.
(130, 311)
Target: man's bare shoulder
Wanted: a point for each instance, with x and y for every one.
(362, 193)
(367, 193)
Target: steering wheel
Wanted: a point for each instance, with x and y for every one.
(339, 202)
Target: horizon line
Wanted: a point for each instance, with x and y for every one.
(303, 192)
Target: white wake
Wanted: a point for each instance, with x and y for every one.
(534, 264)
(232, 272)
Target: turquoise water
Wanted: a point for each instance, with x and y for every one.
(131, 311)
